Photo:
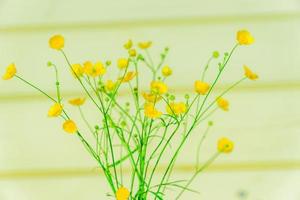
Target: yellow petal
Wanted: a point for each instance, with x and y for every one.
(145, 45)
(122, 194)
(223, 103)
(249, 74)
(55, 110)
(69, 126)
(201, 87)
(150, 111)
(57, 42)
(77, 101)
(123, 63)
(225, 145)
(244, 37)
(166, 71)
(10, 72)
(159, 87)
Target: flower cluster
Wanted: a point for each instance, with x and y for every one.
(156, 114)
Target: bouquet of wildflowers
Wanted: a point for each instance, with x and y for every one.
(139, 133)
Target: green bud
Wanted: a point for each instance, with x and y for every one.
(172, 97)
(49, 64)
(108, 63)
(216, 54)
(123, 123)
(97, 127)
(210, 123)
(127, 104)
(186, 96)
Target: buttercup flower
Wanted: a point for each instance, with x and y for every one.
(129, 76)
(132, 52)
(69, 126)
(201, 87)
(77, 101)
(10, 72)
(77, 70)
(159, 87)
(249, 74)
(122, 194)
(57, 42)
(153, 98)
(145, 45)
(244, 37)
(55, 110)
(150, 111)
(123, 63)
(225, 145)
(223, 103)
(166, 71)
(128, 44)
(94, 70)
(176, 108)
(109, 85)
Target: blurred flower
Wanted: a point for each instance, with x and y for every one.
(122, 194)
(201, 87)
(57, 42)
(94, 70)
(128, 44)
(153, 98)
(77, 70)
(69, 126)
(129, 76)
(109, 85)
(166, 71)
(244, 37)
(225, 145)
(159, 87)
(176, 108)
(223, 103)
(150, 111)
(77, 101)
(123, 63)
(132, 52)
(10, 72)
(145, 45)
(249, 74)
(55, 110)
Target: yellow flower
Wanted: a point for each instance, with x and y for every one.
(132, 52)
(69, 126)
(201, 87)
(57, 42)
(145, 45)
(122, 194)
(94, 70)
(225, 145)
(150, 111)
(223, 103)
(10, 72)
(77, 101)
(153, 98)
(176, 108)
(129, 76)
(166, 71)
(159, 87)
(128, 44)
(249, 74)
(55, 110)
(77, 70)
(109, 85)
(123, 63)
(244, 37)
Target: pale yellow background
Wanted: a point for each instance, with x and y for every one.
(40, 162)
